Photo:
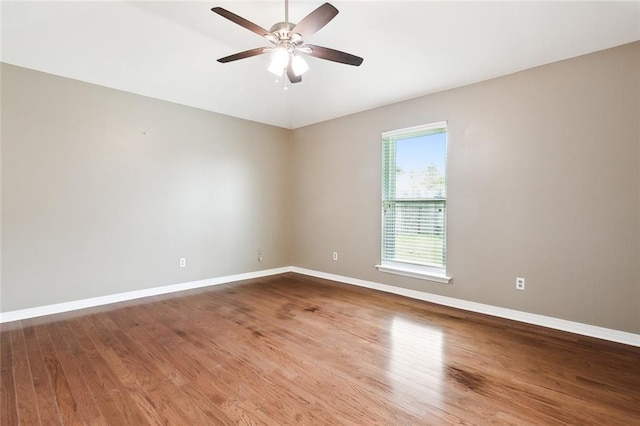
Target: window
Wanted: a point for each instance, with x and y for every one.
(414, 202)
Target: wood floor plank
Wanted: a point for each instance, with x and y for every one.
(352, 363)
(305, 361)
(102, 382)
(208, 378)
(190, 397)
(109, 373)
(86, 405)
(168, 400)
(25, 392)
(46, 404)
(244, 335)
(237, 368)
(8, 404)
(294, 350)
(62, 394)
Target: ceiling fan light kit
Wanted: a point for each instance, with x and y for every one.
(299, 65)
(287, 42)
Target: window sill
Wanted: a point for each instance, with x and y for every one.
(419, 273)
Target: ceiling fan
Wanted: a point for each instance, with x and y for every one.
(288, 39)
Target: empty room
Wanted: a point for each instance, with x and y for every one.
(297, 212)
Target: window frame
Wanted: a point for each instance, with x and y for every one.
(406, 268)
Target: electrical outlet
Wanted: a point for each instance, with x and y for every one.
(519, 283)
(335, 255)
(183, 262)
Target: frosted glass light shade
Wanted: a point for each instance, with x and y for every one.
(299, 65)
(279, 61)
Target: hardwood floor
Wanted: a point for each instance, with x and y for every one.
(292, 350)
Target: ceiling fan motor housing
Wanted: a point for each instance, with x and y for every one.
(282, 31)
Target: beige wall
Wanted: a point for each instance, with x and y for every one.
(544, 183)
(103, 191)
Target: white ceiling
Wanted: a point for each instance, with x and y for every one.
(168, 50)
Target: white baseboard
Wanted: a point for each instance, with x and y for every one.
(130, 295)
(535, 319)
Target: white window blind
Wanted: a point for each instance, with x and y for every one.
(414, 199)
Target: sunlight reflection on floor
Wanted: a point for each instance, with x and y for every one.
(416, 362)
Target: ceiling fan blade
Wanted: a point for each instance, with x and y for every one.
(241, 21)
(245, 54)
(293, 78)
(333, 55)
(317, 19)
